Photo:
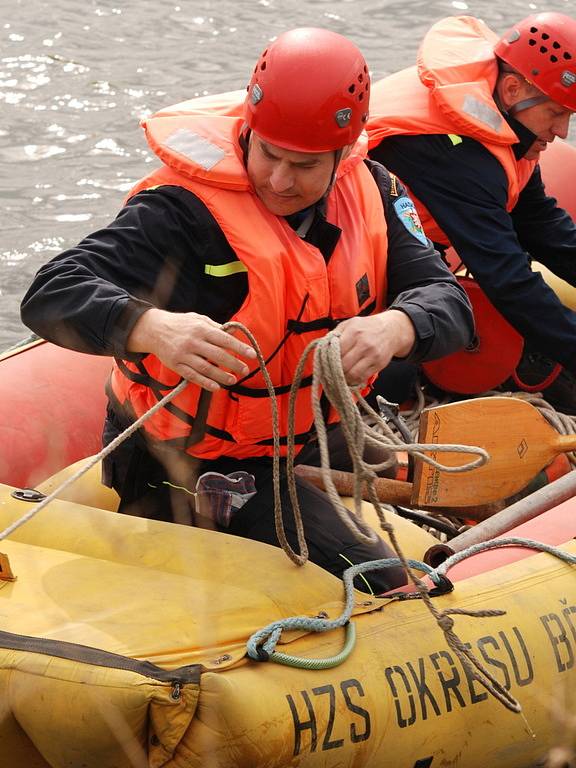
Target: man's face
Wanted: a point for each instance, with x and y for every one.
(287, 181)
(547, 120)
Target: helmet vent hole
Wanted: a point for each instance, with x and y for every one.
(360, 78)
(543, 49)
(567, 56)
(553, 59)
(545, 36)
(263, 66)
(532, 42)
(533, 30)
(351, 88)
(556, 45)
(360, 96)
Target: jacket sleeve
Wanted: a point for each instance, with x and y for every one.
(465, 189)
(153, 254)
(419, 282)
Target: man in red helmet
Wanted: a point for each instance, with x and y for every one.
(276, 220)
(464, 130)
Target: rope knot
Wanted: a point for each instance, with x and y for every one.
(446, 622)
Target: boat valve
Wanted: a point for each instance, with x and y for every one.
(28, 494)
(5, 569)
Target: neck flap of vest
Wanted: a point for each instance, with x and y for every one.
(202, 147)
(456, 62)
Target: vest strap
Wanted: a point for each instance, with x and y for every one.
(303, 326)
(144, 377)
(263, 392)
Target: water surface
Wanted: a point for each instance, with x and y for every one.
(76, 78)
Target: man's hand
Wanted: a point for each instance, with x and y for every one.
(192, 345)
(368, 344)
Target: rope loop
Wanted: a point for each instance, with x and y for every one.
(268, 637)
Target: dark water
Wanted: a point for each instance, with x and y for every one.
(75, 78)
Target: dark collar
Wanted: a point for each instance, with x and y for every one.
(321, 233)
(525, 136)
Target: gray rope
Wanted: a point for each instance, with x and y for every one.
(328, 379)
(266, 639)
(262, 644)
(510, 541)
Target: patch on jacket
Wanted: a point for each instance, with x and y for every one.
(362, 289)
(408, 215)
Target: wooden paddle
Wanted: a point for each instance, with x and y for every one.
(396, 492)
(388, 491)
(518, 438)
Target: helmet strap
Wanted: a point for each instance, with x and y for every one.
(337, 157)
(244, 141)
(531, 101)
(527, 103)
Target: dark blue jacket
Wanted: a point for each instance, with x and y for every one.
(465, 189)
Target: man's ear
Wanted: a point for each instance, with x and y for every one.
(511, 89)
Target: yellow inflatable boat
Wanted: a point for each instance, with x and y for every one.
(123, 642)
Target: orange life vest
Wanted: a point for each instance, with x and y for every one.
(293, 296)
(449, 91)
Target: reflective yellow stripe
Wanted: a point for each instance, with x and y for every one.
(455, 139)
(223, 270)
(215, 270)
(361, 575)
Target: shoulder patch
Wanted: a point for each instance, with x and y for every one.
(408, 215)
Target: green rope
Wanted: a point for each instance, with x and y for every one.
(332, 661)
(261, 645)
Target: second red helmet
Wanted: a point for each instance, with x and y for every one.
(542, 48)
(309, 91)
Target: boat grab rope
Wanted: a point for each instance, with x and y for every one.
(301, 662)
(262, 644)
(508, 541)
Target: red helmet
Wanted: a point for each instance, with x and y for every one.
(542, 48)
(309, 92)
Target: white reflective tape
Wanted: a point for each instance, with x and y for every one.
(195, 148)
(482, 112)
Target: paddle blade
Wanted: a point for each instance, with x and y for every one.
(518, 438)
